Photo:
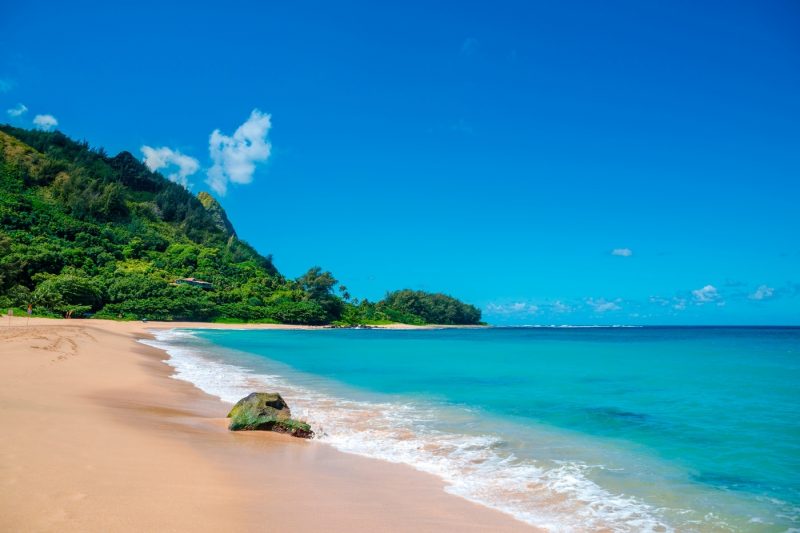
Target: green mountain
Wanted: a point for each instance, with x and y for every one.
(86, 234)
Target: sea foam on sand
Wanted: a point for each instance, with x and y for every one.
(475, 467)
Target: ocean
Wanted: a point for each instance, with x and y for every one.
(571, 429)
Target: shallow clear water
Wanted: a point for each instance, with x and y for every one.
(628, 429)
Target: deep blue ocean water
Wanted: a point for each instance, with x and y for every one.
(573, 429)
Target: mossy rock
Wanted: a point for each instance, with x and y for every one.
(266, 411)
(295, 428)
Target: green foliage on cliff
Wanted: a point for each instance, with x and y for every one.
(85, 233)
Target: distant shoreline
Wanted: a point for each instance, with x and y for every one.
(19, 320)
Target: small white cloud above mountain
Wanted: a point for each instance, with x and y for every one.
(622, 252)
(235, 157)
(163, 157)
(17, 110)
(45, 122)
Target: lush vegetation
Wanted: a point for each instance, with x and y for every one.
(85, 234)
(406, 305)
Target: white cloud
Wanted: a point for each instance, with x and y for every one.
(560, 307)
(676, 302)
(622, 252)
(706, 294)
(602, 305)
(45, 122)
(17, 110)
(6, 85)
(235, 157)
(516, 308)
(763, 292)
(158, 158)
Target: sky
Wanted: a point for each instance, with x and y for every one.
(550, 162)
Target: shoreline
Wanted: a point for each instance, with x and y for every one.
(102, 438)
(142, 325)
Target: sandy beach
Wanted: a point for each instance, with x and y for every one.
(98, 437)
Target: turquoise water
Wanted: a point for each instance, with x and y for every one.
(628, 429)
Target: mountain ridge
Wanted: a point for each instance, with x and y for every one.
(86, 234)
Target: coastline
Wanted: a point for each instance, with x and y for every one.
(101, 438)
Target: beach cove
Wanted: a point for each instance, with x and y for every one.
(99, 437)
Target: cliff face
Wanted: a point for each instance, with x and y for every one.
(217, 213)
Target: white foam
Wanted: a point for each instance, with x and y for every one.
(475, 467)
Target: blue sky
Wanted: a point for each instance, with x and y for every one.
(497, 151)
